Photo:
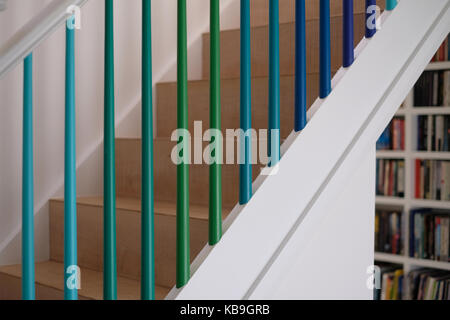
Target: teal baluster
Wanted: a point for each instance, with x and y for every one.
(28, 286)
(391, 4)
(147, 227)
(109, 223)
(274, 83)
(71, 275)
(245, 168)
(183, 254)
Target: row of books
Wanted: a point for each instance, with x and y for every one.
(443, 53)
(432, 180)
(419, 284)
(388, 232)
(428, 284)
(432, 89)
(390, 178)
(389, 284)
(429, 234)
(433, 133)
(393, 137)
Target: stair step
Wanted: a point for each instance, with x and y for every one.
(259, 10)
(230, 48)
(198, 108)
(90, 236)
(128, 163)
(50, 284)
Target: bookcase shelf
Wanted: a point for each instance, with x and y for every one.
(425, 111)
(411, 262)
(410, 114)
(438, 66)
(386, 154)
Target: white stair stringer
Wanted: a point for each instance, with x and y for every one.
(269, 245)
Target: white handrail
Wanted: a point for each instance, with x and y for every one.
(34, 32)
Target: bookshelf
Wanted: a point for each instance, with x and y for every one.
(410, 114)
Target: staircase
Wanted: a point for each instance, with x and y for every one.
(274, 259)
(49, 274)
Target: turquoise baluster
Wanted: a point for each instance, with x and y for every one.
(274, 84)
(28, 285)
(71, 275)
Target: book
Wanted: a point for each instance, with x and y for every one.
(429, 234)
(432, 180)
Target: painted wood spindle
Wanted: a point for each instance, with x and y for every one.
(183, 254)
(215, 170)
(245, 167)
(325, 49)
(300, 65)
(371, 15)
(348, 25)
(28, 269)
(70, 205)
(391, 4)
(147, 223)
(109, 219)
(274, 84)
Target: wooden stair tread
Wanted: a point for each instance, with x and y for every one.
(161, 207)
(51, 274)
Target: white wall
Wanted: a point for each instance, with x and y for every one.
(49, 100)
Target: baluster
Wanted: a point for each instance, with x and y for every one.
(109, 223)
(300, 65)
(215, 171)
(70, 210)
(245, 167)
(274, 84)
(325, 49)
(28, 285)
(183, 260)
(348, 46)
(147, 225)
(391, 4)
(371, 16)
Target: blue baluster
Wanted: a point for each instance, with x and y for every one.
(300, 65)
(325, 49)
(348, 45)
(371, 16)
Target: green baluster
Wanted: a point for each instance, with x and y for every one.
(147, 225)
(109, 222)
(183, 259)
(215, 171)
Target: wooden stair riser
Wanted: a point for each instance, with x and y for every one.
(198, 92)
(259, 10)
(230, 52)
(90, 240)
(128, 161)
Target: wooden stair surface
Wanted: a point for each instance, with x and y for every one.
(259, 10)
(50, 284)
(230, 48)
(128, 213)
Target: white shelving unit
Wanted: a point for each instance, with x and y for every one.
(409, 155)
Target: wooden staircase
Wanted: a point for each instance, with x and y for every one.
(49, 275)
